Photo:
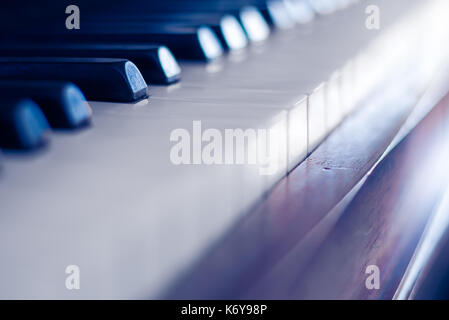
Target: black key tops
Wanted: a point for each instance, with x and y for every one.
(226, 26)
(99, 78)
(156, 62)
(22, 124)
(63, 103)
(186, 42)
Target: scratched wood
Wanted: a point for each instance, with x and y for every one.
(255, 259)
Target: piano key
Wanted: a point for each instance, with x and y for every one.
(303, 71)
(254, 24)
(185, 42)
(324, 7)
(316, 117)
(213, 115)
(156, 62)
(22, 124)
(226, 26)
(99, 78)
(143, 7)
(277, 14)
(231, 33)
(204, 8)
(282, 82)
(143, 140)
(63, 103)
(250, 17)
(334, 113)
(300, 11)
(294, 105)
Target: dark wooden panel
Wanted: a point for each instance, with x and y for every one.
(381, 226)
(245, 263)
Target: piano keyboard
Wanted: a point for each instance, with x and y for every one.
(101, 189)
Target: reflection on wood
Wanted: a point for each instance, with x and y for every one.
(381, 226)
(272, 252)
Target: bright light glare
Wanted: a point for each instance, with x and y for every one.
(233, 33)
(255, 25)
(168, 62)
(209, 42)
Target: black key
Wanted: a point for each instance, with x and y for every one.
(156, 62)
(144, 7)
(226, 26)
(63, 103)
(254, 24)
(250, 18)
(99, 78)
(230, 33)
(248, 15)
(185, 42)
(22, 124)
(277, 14)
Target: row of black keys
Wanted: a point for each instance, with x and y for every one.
(43, 65)
(37, 93)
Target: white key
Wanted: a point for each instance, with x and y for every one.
(113, 188)
(241, 100)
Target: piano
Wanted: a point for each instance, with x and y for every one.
(223, 149)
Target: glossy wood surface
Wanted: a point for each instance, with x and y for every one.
(300, 243)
